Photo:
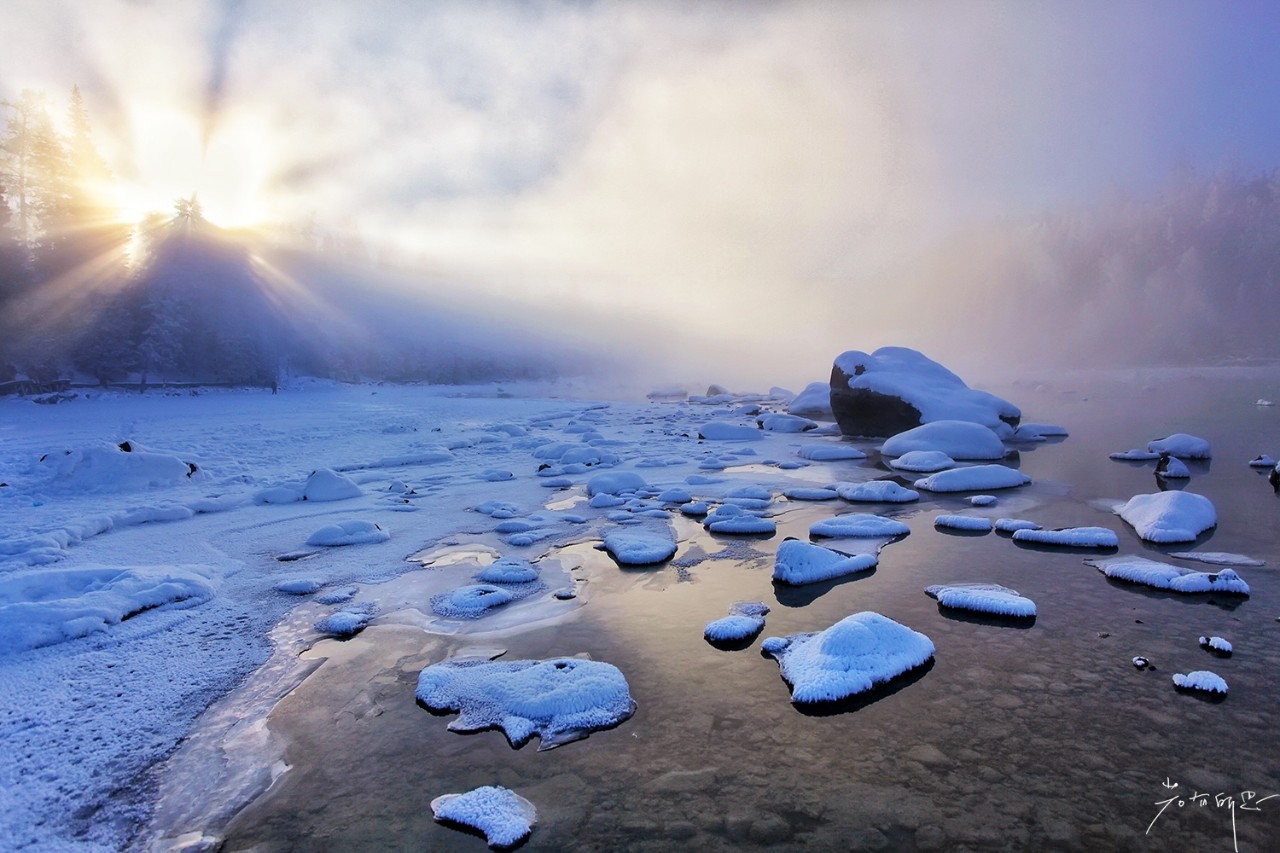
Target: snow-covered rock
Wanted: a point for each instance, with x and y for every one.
(1217, 645)
(785, 423)
(1181, 445)
(983, 598)
(45, 606)
(813, 402)
(345, 623)
(896, 388)
(508, 570)
(560, 700)
(745, 620)
(1141, 570)
(978, 478)
(1037, 432)
(356, 532)
(327, 485)
(830, 452)
(809, 493)
(858, 525)
(725, 431)
(973, 523)
(1134, 455)
(106, 467)
(1262, 460)
(641, 546)
(923, 461)
(960, 440)
(1013, 525)
(799, 562)
(876, 491)
(852, 656)
(1166, 517)
(615, 482)
(503, 816)
(731, 519)
(1070, 537)
(299, 586)
(1172, 468)
(1202, 680)
(471, 601)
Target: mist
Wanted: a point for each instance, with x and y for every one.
(729, 192)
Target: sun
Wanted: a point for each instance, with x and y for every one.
(169, 159)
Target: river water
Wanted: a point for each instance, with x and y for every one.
(1039, 737)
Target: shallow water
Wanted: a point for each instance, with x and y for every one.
(1017, 737)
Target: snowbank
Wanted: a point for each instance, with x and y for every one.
(560, 700)
(1166, 517)
(799, 562)
(852, 656)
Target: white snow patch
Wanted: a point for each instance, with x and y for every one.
(745, 620)
(471, 601)
(1202, 680)
(502, 815)
(327, 485)
(1217, 644)
(355, 532)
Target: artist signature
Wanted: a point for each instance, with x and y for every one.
(1245, 801)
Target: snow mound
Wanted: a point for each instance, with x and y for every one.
(471, 601)
(503, 816)
(640, 547)
(856, 525)
(675, 495)
(349, 533)
(615, 482)
(897, 385)
(725, 431)
(923, 461)
(299, 586)
(345, 623)
(327, 485)
(1013, 525)
(974, 523)
(852, 656)
(1150, 573)
(1262, 460)
(800, 562)
(813, 402)
(983, 500)
(807, 493)
(111, 468)
(1202, 680)
(733, 520)
(508, 570)
(983, 598)
(560, 700)
(1172, 468)
(830, 452)
(1216, 644)
(785, 423)
(1070, 537)
(974, 479)
(1134, 455)
(1181, 445)
(47, 606)
(876, 491)
(960, 440)
(1166, 517)
(745, 620)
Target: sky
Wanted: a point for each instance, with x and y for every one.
(733, 169)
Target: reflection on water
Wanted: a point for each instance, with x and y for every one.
(1039, 736)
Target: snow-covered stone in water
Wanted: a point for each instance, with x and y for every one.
(785, 423)
(604, 501)
(1070, 537)
(47, 605)
(615, 482)
(508, 570)
(745, 620)
(1172, 468)
(1134, 455)
(876, 491)
(344, 623)
(1037, 432)
(1217, 645)
(341, 595)
(1013, 525)
(1181, 445)
(675, 496)
(504, 817)
(1140, 662)
(983, 500)
(961, 440)
(852, 656)
(923, 461)
(695, 509)
(974, 523)
(326, 485)
(1166, 517)
(983, 598)
(640, 547)
(813, 402)
(560, 700)
(299, 586)
(781, 394)
(734, 521)
(1265, 403)
(1218, 558)
(724, 431)
(807, 493)
(759, 493)
(1201, 680)
(830, 452)
(1262, 460)
(349, 533)
(1141, 570)
(896, 388)
(800, 562)
(470, 602)
(858, 525)
(974, 479)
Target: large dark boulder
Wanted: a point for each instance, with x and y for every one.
(896, 389)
